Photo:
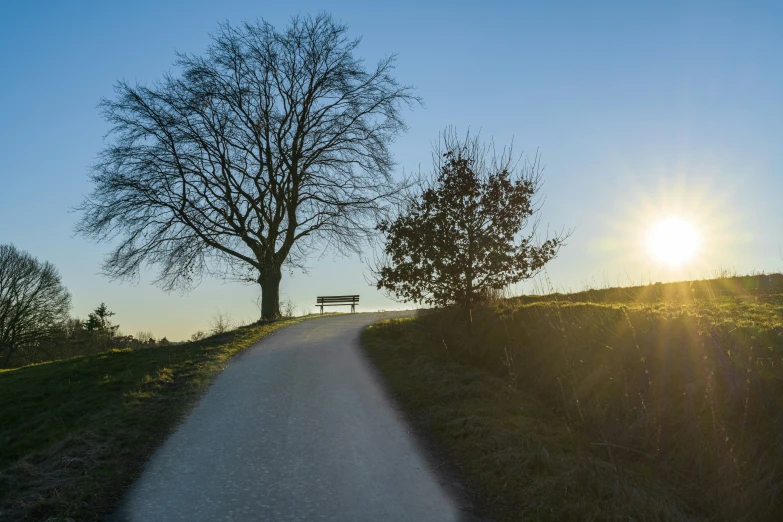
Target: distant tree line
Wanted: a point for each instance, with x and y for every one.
(35, 324)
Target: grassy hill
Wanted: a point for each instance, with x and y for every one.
(662, 402)
(75, 433)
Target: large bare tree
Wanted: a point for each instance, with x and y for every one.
(270, 145)
(33, 303)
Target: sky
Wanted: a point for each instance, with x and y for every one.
(641, 112)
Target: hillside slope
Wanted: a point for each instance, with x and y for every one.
(674, 405)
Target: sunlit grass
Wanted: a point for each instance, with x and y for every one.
(682, 398)
(517, 457)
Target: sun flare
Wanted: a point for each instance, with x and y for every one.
(673, 241)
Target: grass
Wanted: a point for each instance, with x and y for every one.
(75, 433)
(518, 458)
(566, 410)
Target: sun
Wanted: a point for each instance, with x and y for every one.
(673, 241)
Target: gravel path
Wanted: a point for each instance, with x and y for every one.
(296, 428)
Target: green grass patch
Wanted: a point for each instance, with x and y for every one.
(75, 433)
(518, 458)
(646, 410)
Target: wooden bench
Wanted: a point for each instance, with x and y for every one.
(338, 300)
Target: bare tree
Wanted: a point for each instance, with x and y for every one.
(34, 304)
(220, 323)
(144, 337)
(271, 145)
(287, 308)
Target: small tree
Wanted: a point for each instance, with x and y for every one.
(100, 330)
(34, 304)
(98, 321)
(220, 323)
(463, 236)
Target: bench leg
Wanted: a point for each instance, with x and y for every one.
(353, 309)
(322, 309)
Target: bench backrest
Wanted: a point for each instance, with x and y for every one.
(338, 299)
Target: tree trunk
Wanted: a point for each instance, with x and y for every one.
(469, 281)
(7, 359)
(270, 293)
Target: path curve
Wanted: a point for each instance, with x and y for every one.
(296, 428)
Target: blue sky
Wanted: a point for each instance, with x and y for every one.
(640, 112)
